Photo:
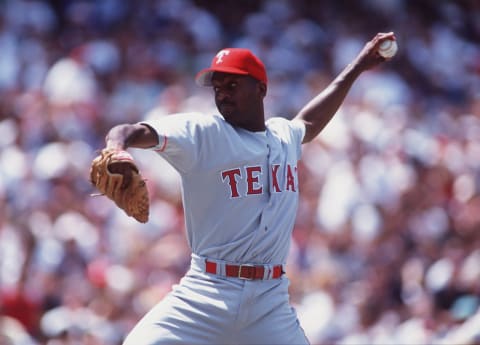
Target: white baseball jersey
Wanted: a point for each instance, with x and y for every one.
(240, 195)
(239, 188)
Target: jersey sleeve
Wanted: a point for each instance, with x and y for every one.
(292, 131)
(179, 138)
(299, 130)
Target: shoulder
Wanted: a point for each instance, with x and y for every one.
(196, 120)
(285, 127)
(196, 117)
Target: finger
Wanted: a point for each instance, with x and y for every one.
(383, 36)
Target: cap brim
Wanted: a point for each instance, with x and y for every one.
(204, 77)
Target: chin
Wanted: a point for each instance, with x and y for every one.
(232, 121)
(228, 116)
(225, 114)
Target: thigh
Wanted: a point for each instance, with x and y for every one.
(198, 311)
(279, 327)
(271, 319)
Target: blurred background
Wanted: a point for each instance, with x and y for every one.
(386, 247)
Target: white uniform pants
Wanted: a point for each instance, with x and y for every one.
(210, 309)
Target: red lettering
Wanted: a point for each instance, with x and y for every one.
(230, 176)
(275, 185)
(252, 180)
(290, 179)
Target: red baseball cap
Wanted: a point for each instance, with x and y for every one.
(235, 61)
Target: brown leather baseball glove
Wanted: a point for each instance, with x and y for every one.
(116, 176)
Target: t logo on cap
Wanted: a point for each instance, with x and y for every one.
(234, 61)
(221, 54)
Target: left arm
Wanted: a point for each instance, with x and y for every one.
(320, 110)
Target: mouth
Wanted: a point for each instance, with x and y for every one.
(226, 107)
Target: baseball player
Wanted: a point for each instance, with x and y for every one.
(240, 193)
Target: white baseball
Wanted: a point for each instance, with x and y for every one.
(388, 48)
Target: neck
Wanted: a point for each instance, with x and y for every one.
(257, 123)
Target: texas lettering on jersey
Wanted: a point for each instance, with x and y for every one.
(251, 175)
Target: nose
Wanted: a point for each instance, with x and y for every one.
(221, 95)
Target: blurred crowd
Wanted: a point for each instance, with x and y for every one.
(386, 248)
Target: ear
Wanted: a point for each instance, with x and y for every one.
(262, 87)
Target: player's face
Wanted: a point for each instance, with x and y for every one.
(239, 99)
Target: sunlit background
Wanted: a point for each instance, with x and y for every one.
(386, 248)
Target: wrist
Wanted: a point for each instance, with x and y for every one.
(113, 142)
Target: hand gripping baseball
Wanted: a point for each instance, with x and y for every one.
(116, 176)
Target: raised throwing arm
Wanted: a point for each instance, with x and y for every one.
(320, 110)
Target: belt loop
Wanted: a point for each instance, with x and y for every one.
(221, 268)
(267, 273)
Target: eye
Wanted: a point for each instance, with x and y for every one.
(232, 85)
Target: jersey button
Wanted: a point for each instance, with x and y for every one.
(266, 228)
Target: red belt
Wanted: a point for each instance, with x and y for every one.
(245, 271)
